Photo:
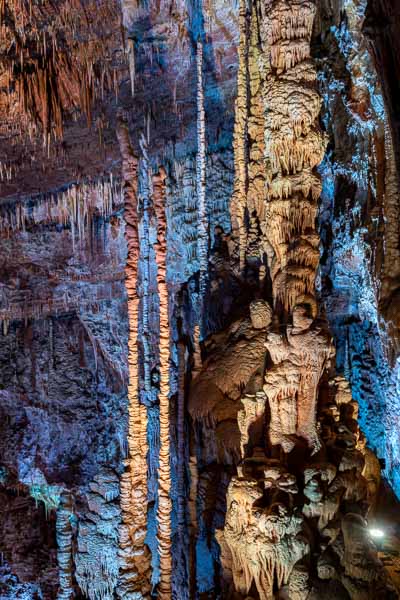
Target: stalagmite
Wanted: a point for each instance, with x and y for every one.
(203, 233)
(64, 552)
(181, 437)
(145, 248)
(164, 469)
(252, 410)
(134, 554)
(392, 210)
(238, 204)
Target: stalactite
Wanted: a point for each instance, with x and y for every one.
(52, 74)
(164, 480)
(134, 555)
(74, 206)
(132, 73)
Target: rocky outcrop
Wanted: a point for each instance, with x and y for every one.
(63, 269)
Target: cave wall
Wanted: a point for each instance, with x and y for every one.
(63, 384)
(359, 221)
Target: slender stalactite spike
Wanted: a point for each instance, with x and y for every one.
(132, 68)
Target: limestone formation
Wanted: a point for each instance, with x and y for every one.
(164, 500)
(203, 233)
(260, 545)
(249, 416)
(260, 314)
(291, 384)
(267, 537)
(64, 543)
(135, 563)
(199, 291)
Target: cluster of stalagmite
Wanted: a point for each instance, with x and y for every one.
(284, 515)
(135, 569)
(300, 489)
(134, 554)
(164, 469)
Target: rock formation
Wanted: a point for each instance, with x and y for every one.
(199, 244)
(135, 567)
(267, 537)
(164, 500)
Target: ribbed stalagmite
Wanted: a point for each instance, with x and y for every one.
(64, 543)
(164, 479)
(134, 554)
(202, 245)
(238, 203)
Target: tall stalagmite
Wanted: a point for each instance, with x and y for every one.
(164, 480)
(203, 228)
(134, 554)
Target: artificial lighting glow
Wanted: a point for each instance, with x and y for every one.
(377, 533)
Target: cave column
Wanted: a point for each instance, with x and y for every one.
(164, 479)
(135, 570)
